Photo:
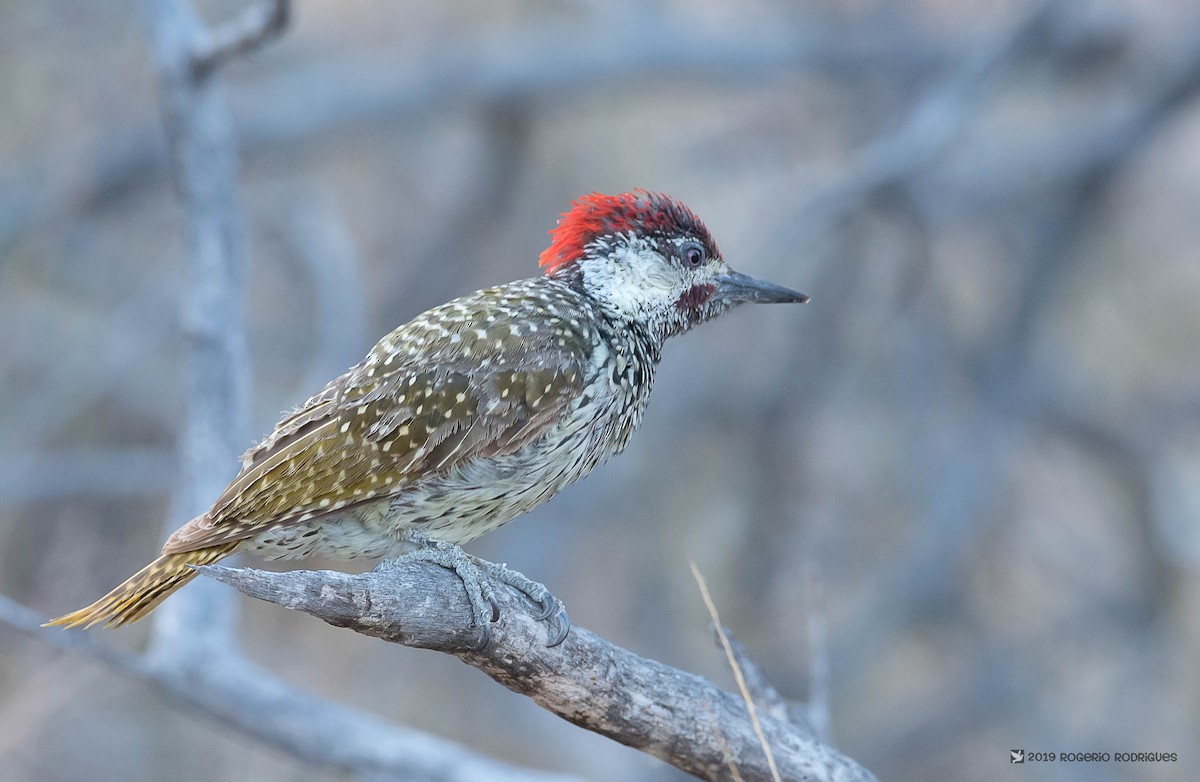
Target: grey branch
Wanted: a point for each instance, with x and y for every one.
(194, 656)
(553, 60)
(242, 695)
(241, 35)
(202, 148)
(816, 711)
(764, 693)
(89, 472)
(679, 717)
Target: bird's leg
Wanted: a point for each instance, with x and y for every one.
(479, 592)
(484, 608)
(552, 608)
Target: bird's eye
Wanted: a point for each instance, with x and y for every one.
(693, 256)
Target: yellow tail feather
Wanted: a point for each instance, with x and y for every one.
(141, 593)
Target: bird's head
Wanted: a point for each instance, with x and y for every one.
(647, 259)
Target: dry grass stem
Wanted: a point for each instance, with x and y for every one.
(737, 670)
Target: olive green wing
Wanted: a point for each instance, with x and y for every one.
(399, 416)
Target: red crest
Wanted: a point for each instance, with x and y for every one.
(595, 215)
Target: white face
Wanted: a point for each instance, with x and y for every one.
(633, 278)
(666, 286)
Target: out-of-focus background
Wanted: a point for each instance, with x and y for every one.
(981, 439)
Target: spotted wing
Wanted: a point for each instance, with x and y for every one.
(478, 377)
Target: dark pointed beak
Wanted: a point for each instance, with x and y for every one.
(736, 287)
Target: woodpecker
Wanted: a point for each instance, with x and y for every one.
(470, 414)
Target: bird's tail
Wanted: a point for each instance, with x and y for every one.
(141, 593)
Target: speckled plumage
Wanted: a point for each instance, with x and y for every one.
(470, 414)
(457, 422)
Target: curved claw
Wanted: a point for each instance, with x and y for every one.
(485, 638)
(552, 612)
(550, 606)
(491, 599)
(560, 626)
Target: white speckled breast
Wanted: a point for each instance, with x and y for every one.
(481, 494)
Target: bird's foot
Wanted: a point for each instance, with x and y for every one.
(552, 610)
(484, 608)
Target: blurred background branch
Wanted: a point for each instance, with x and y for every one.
(985, 428)
(256, 24)
(251, 700)
(194, 657)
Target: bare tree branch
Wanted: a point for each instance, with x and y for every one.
(93, 472)
(764, 693)
(676, 716)
(327, 257)
(816, 709)
(551, 60)
(78, 378)
(203, 152)
(256, 703)
(1078, 154)
(560, 60)
(194, 656)
(934, 123)
(29, 621)
(251, 29)
(811, 715)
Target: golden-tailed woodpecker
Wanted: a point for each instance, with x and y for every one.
(470, 414)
